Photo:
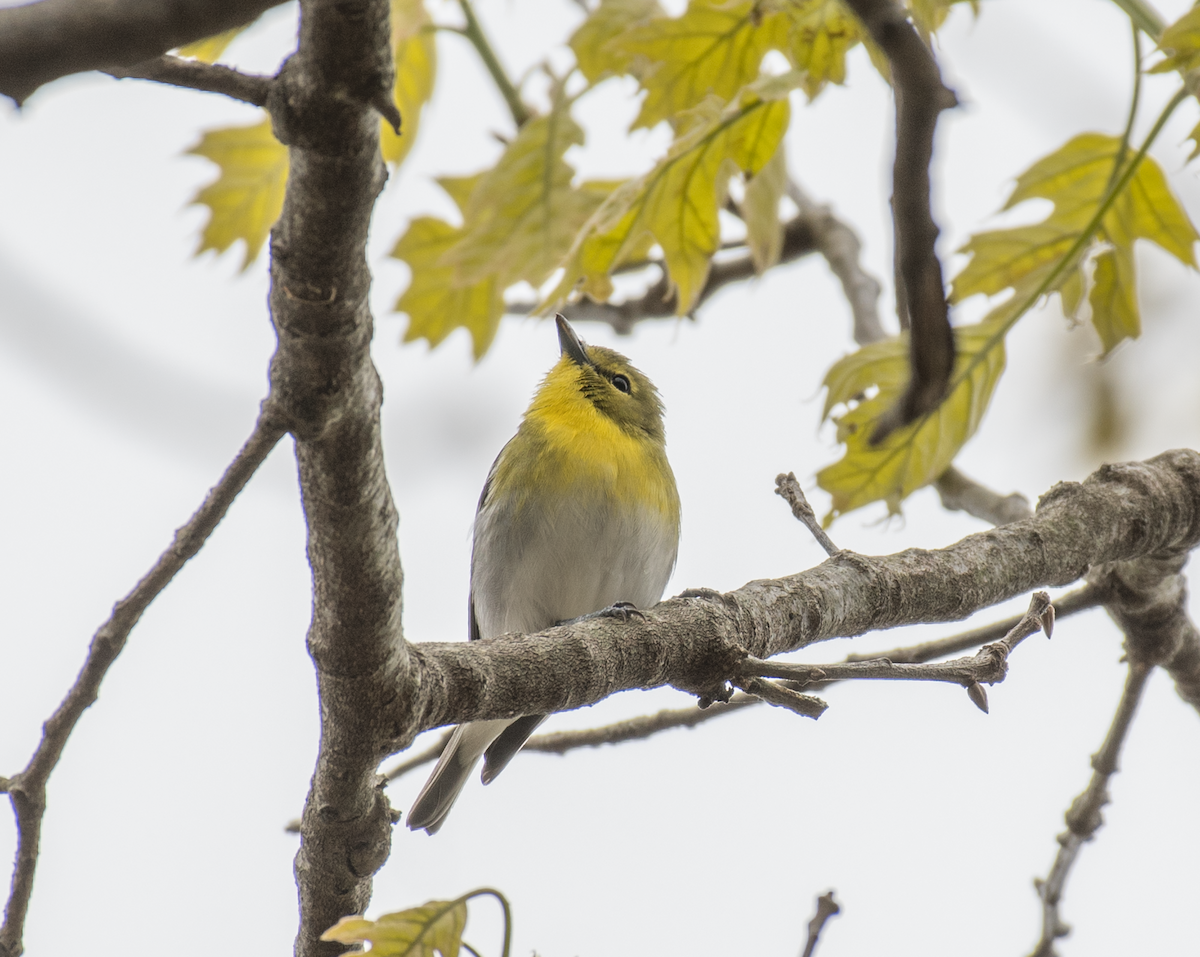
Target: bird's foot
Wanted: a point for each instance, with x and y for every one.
(622, 610)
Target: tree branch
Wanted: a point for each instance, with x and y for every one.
(27, 788)
(43, 41)
(827, 907)
(920, 97)
(1084, 818)
(962, 494)
(697, 642)
(322, 109)
(195, 75)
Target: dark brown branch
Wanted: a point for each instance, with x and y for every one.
(195, 75)
(788, 488)
(962, 494)
(697, 641)
(27, 788)
(43, 41)
(987, 666)
(1084, 818)
(827, 907)
(920, 97)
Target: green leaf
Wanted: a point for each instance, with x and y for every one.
(247, 197)
(822, 31)
(869, 382)
(435, 304)
(1181, 42)
(460, 188)
(714, 49)
(416, 67)
(929, 15)
(435, 927)
(760, 211)
(210, 49)
(595, 53)
(524, 212)
(677, 202)
(1076, 179)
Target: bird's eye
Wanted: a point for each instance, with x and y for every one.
(621, 383)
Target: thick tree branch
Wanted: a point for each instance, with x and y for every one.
(1084, 818)
(322, 109)
(697, 642)
(920, 97)
(195, 75)
(27, 788)
(43, 41)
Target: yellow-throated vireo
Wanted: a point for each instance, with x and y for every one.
(579, 513)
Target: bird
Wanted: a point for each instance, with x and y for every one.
(579, 516)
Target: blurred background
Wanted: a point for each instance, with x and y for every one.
(130, 373)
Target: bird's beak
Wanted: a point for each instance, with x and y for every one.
(570, 343)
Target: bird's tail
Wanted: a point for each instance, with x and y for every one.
(462, 752)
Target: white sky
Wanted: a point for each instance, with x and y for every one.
(130, 374)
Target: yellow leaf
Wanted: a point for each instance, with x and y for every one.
(677, 202)
(416, 66)
(929, 15)
(435, 927)
(869, 383)
(524, 212)
(210, 49)
(760, 210)
(714, 49)
(247, 197)
(460, 188)
(1181, 42)
(822, 31)
(596, 55)
(1076, 179)
(435, 305)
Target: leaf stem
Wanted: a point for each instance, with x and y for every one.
(492, 892)
(1144, 17)
(1123, 150)
(474, 33)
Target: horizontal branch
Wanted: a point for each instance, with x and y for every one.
(43, 41)
(27, 789)
(697, 641)
(959, 493)
(196, 75)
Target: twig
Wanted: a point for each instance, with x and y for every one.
(27, 788)
(659, 301)
(40, 42)
(987, 666)
(841, 247)
(788, 488)
(478, 39)
(804, 705)
(827, 907)
(920, 97)
(196, 75)
(962, 494)
(1084, 817)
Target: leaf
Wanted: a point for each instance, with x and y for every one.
(596, 55)
(760, 211)
(929, 15)
(434, 303)
(1077, 178)
(822, 31)
(869, 383)
(677, 202)
(435, 927)
(210, 49)
(714, 49)
(416, 67)
(247, 197)
(460, 188)
(524, 212)
(1181, 42)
